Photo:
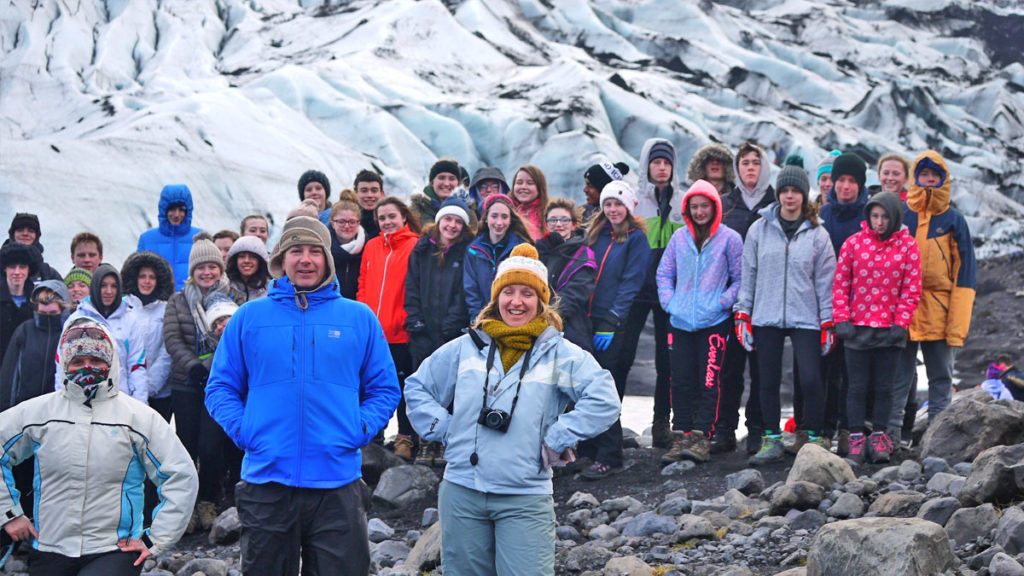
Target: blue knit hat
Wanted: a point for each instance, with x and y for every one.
(825, 167)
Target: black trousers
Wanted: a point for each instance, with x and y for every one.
(736, 361)
(325, 528)
(106, 564)
(163, 406)
(833, 376)
(870, 372)
(806, 354)
(209, 446)
(697, 359)
(606, 447)
(402, 357)
(632, 327)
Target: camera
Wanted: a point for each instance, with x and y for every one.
(497, 420)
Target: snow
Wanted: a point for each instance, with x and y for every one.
(103, 103)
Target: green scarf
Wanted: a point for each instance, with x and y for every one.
(513, 342)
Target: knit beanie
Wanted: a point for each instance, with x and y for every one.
(523, 266)
(306, 208)
(599, 175)
(662, 150)
(86, 337)
(25, 220)
(622, 192)
(849, 164)
(825, 166)
(299, 231)
(203, 251)
(250, 244)
(444, 166)
(314, 176)
(78, 275)
(792, 176)
(453, 205)
(219, 309)
(490, 201)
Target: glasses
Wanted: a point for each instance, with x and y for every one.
(558, 221)
(488, 186)
(86, 331)
(340, 222)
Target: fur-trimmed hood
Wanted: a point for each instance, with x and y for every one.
(695, 171)
(140, 260)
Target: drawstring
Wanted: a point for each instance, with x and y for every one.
(301, 301)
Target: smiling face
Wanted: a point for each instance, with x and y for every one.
(146, 281)
(847, 189)
(560, 221)
(615, 211)
(108, 290)
(78, 291)
(368, 194)
(206, 275)
(518, 305)
(25, 235)
(524, 188)
(86, 255)
(444, 184)
(878, 219)
(315, 191)
(592, 194)
(892, 176)
(247, 263)
(16, 276)
(257, 227)
(499, 218)
(702, 210)
(488, 187)
(825, 184)
(750, 169)
(389, 218)
(305, 265)
(792, 202)
(450, 227)
(346, 225)
(176, 214)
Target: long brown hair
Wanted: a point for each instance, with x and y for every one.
(619, 231)
(433, 231)
(515, 224)
(411, 220)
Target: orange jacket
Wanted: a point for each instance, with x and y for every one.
(382, 281)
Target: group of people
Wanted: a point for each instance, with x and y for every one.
(279, 366)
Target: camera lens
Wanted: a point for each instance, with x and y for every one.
(494, 419)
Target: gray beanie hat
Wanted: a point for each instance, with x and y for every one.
(792, 176)
(203, 251)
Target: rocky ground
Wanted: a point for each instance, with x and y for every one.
(997, 324)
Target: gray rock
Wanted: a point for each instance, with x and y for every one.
(227, 528)
(649, 523)
(412, 537)
(933, 466)
(690, 527)
(426, 554)
(405, 485)
(807, 520)
(966, 524)
(748, 481)
(997, 475)
(938, 510)
(377, 459)
(881, 547)
(984, 558)
(623, 504)
(801, 571)
(389, 553)
(627, 566)
(972, 424)
(430, 517)
(963, 469)
(630, 439)
(604, 532)
(941, 481)
(174, 562)
(675, 507)
(700, 506)
(1004, 565)
(818, 466)
(378, 530)
(588, 556)
(580, 499)
(847, 506)
(566, 532)
(909, 470)
(798, 495)
(859, 487)
(903, 503)
(1010, 531)
(680, 467)
(886, 475)
(208, 566)
(579, 517)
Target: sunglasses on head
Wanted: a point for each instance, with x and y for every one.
(84, 331)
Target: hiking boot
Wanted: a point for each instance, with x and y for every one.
(438, 454)
(723, 441)
(661, 434)
(207, 512)
(771, 450)
(680, 441)
(843, 443)
(879, 447)
(698, 449)
(425, 456)
(858, 447)
(597, 471)
(798, 442)
(753, 440)
(817, 440)
(403, 447)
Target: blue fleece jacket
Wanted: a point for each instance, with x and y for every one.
(172, 242)
(301, 390)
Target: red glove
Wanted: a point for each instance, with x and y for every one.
(744, 331)
(828, 337)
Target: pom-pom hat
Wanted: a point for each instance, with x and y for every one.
(523, 266)
(622, 192)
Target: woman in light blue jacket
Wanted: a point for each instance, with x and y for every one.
(698, 281)
(509, 380)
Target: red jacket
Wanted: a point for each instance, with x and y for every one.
(382, 281)
(877, 284)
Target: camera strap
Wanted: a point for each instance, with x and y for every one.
(519, 385)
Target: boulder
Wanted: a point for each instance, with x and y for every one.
(681, 467)
(649, 523)
(846, 506)
(880, 547)
(404, 485)
(622, 504)
(1004, 565)
(377, 459)
(379, 531)
(208, 566)
(589, 556)
(1010, 531)
(904, 503)
(997, 475)
(806, 520)
(946, 483)
(819, 466)
(966, 524)
(748, 481)
(227, 528)
(909, 470)
(675, 506)
(389, 553)
(797, 495)
(690, 527)
(426, 554)
(581, 499)
(972, 424)
(604, 532)
(627, 566)
(430, 517)
(938, 510)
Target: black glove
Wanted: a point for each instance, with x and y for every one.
(197, 376)
(897, 335)
(845, 330)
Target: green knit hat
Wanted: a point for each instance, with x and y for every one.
(78, 275)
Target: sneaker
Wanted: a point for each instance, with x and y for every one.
(680, 441)
(771, 450)
(817, 440)
(438, 454)
(661, 434)
(723, 441)
(798, 442)
(843, 443)
(425, 456)
(753, 440)
(858, 446)
(879, 447)
(403, 447)
(698, 449)
(207, 512)
(597, 471)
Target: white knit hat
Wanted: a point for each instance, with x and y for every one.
(523, 266)
(622, 192)
(219, 309)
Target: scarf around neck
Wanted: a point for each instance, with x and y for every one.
(513, 342)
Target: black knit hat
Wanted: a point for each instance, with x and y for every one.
(314, 176)
(446, 167)
(794, 176)
(849, 164)
(601, 174)
(25, 220)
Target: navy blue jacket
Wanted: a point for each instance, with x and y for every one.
(735, 213)
(479, 270)
(571, 275)
(843, 220)
(621, 272)
(435, 302)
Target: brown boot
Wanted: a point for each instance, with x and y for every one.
(798, 442)
(698, 449)
(207, 512)
(843, 443)
(661, 434)
(403, 447)
(680, 442)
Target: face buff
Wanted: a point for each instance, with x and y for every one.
(89, 378)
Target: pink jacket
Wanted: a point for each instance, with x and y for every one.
(877, 283)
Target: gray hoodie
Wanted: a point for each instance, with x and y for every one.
(794, 288)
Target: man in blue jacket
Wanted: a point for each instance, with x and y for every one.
(301, 380)
(172, 239)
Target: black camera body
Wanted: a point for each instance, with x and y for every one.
(497, 420)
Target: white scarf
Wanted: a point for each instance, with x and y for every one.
(355, 246)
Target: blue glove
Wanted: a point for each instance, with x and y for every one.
(602, 340)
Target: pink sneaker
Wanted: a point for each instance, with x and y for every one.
(880, 447)
(858, 444)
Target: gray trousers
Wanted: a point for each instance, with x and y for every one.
(496, 534)
(938, 363)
